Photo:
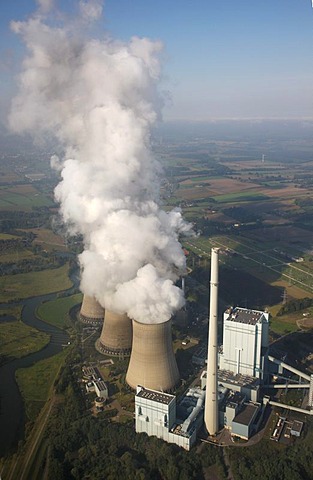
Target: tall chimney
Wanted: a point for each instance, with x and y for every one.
(91, 311)
(116, 335)
(152, 363)
(211, 400)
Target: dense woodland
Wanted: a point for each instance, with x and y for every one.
(295, 305)
(275, 462)
(82, 447)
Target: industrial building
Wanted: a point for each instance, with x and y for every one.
(235, 369)
(94, 382)
(245, 342)
(240, 417)
(156, 414)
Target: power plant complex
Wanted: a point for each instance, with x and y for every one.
(229, 395)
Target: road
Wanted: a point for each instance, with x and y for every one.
(21, 467)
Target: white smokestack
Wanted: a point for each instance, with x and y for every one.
(211, 399)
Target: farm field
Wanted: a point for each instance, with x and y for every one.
(36, 382)
(47, 239)
(18, 339)
(258, 213)
(22, 197)
(17, 256)
(26, 285)
(56, 311)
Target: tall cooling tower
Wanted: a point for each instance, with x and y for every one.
(116, 335)
(152, 363)
(211, 396)
(91, 311)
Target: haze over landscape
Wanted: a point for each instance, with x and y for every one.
(222, 59)
(138, 141)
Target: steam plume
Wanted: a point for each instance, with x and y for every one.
(99, 99)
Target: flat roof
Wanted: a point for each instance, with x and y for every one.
(297, 426)
(227, 376)
(101, 385)
(234, 399)
(155, 396)
(244, 315)
(245, 416)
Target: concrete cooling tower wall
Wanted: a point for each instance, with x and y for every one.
(91, 311)
(116, 335)
(152, 363)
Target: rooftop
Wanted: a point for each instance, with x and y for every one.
(101, 385)
(225, 376)
(297, 426)
(244, 315)
(234, 399)
(155, 396)
(246, 415)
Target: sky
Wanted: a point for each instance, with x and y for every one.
(222, 59)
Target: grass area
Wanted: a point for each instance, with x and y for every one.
(240, 197)
(16, 256)
(36, 382)
(23, 198)
(56, 312)
(47, 238)
(12, 311)
(7, 236)
(18, 339)
(26, 285)
(281, 325)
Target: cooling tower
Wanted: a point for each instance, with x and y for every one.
(211, 397)
(116, 335)
(152, 363)
(91, 311)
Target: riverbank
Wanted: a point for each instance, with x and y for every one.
(12, 409)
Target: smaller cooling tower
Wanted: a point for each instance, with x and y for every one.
(152, 363)
(116, 335)
(91, 311)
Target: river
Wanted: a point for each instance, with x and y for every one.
(12, 412)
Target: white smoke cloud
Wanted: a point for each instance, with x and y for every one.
(99, 99)
(45, 5)
(91, 10)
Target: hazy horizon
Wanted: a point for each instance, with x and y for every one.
(221, 60)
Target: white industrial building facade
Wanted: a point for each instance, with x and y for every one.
(245, 342)
(156, 413)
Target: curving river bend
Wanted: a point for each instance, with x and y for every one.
(12, 414)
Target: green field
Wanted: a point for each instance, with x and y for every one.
(36, 382)
(240, 197)
(23, 200)
(282, 326)
(18, 339)
(56, 311)
(17, 256)
(7, 236)
(13, 311)
(26, 285)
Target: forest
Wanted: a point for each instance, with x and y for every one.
(82, 446)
